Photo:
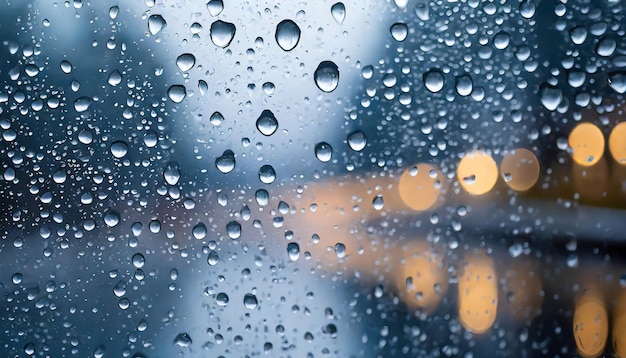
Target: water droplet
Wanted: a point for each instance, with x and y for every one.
(142, 325)
(82, 104)
(85, 136)
(606, 47)
(250, 301)
(233, 229)
(501, 40)
(323, 152)
(326, 76)
(221, 299)
(215, 7)
(185, 62)
(156, 23)
(340, 250)
(287, 35)
(150, 139)
(378, 202)
(464, 85)
(357, 140)
(527, 9)
(199, 231)
(433, 80)
(66, 66)
(183, 340)
(578, 35)
(267, 123)
(617, 81)
(268, 88)
(111, 218)
(550, 96)
(262, 197)
(216, 118)
(222, 33)
(29, 349)
(177, 93)
(171, 173)
(138, 260)
(422, 10)
(399, 31)
(113, 12)
(293, 251)
(213, 258)
(59, 176)
(119, 149)
(338, 10)
(267, 174)
(226, 162)
(115, 78)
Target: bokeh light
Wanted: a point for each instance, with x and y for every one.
(420, 186)
(619, 326)
(591, 324)
(477, 172)
(520, 169)
(617, 143)
(478, 293)
(587, 144)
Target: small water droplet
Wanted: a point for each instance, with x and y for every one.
(326, 76)
(323, 152)
(29, 349)
(171, 173)
(119, 149)
(156, 23)
(433, 80)
(338, 10)
(287, 35)
(267, 123)
(340, 250)
(222, 33)
(177, 93)
(185, 62)
(378, 202)
(357, 140)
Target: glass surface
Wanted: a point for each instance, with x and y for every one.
(406, 178)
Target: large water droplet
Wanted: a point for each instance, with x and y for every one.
(378, 202)
(183, 340)
(119, 149)
(213, 258)
(215, 7)
(262, 197)
(115, 78)
(250, 301)
(550, 96)
(226, 163)
(606, 47)
(199, 231)
(578, 35)
(82, 104)
(527, 9)
(399, 31)
(233, 229)
(171, 173)
(267, 174)
(293, 251)
(222, 33)
(138, 260)
(177, 93)
(66, 66)
(617, 81)
(185, 62)
(221, 299)
(287, 35)
(464, 85)
(111, 218)
(433, 80)
(216, 118)
(113, 12)
(327, 76)
(267, 123)
(357, 140)
(323, 152)
(156, 23)
(338, 10)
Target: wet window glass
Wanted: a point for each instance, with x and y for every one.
(401, 178)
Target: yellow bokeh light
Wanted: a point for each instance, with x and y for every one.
(619, 326)
(420, 186)
(478, 293)
(591, 324)
(587, 143)
(520, 169)
(422, 280)
(477, 172)
(591, 182)
(617, 143)
(524, 288)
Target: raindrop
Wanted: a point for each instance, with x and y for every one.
(578, 35)
(399, 31)
(287, 35)
(464, 85)
(323, 152)
(213, 258)
(226, 162)
(150, 139)
(326, 76)
(422, 10)
(550, 96)
(268, 88)
(433, 80)
(501, 40)
(156, 23)
(199, 231)
(262, 197)
(82, 104)
(576, 78)
(142, 325)
(221, 299)
(115, 78)
(233, 229)
(85, 136)
(59, 176)
(293, 250)
(66, 66)
(183, 340)
(111, 218)
(171, 173)
(378, 203)
(267, 123)
(527, 9)
(606, 47)
(31, 70)
(340, 250)
(357, 140)
(216, 118)
(250, 301)
(338, 10)
(119, 149)
(617, 81)
(222, 33)
(113, 12)
(215, 7)
(138, 260)
(177, 93)
(267, 174)
(29, 349)
(185, 62)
